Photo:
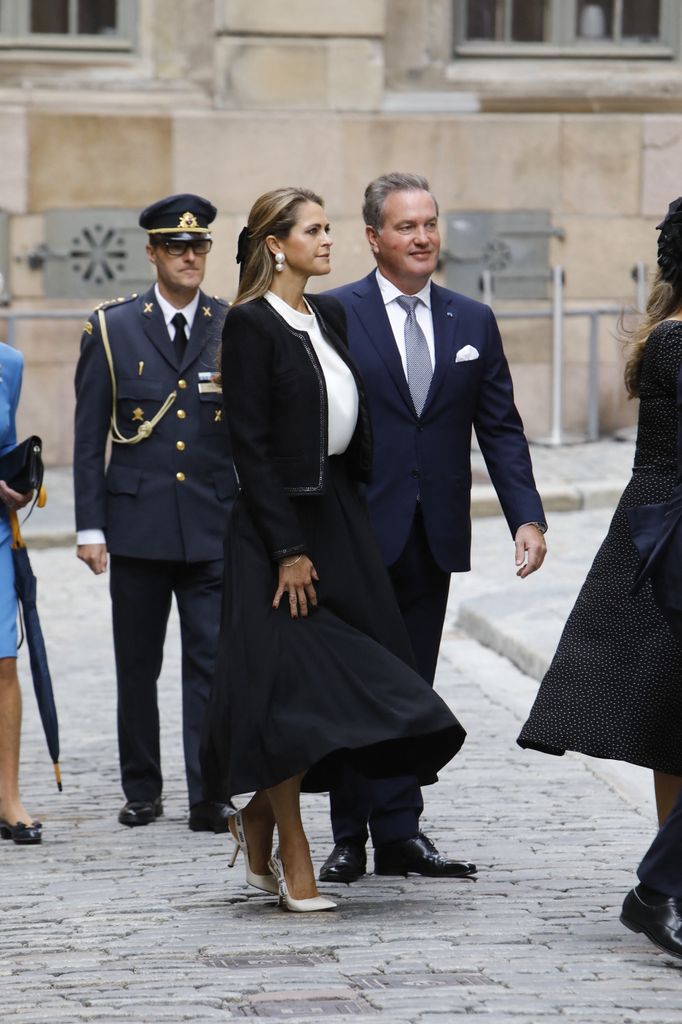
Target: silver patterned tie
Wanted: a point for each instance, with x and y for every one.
(419, 369)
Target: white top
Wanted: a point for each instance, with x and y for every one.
(342, 392)
(169, 312)
(397, 316)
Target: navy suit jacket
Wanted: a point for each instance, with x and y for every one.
(430, 455)
(143, 507)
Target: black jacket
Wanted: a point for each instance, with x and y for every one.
(276, 406)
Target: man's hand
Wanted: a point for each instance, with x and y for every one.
(94, 556)
(530, 548)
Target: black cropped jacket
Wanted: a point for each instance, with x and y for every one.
(275, 399)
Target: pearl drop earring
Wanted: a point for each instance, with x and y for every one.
(279, 261)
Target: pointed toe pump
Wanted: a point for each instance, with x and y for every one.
(287, 902)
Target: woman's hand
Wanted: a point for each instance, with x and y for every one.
(13, 499)
(296, 577)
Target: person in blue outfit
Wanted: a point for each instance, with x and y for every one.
(157, 512)
(434, 368)
(15, 821)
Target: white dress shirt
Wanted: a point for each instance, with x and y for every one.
(342, 392)
(397, 316)
(168, 312)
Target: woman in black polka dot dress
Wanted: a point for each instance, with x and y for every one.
(614, 688)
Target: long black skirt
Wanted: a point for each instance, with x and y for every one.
(306, 695)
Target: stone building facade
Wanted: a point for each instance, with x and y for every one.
(566, 113)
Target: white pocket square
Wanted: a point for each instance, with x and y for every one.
(466, 353)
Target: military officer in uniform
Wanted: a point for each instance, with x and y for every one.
(157, 512)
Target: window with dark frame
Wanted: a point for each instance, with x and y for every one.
(73, 17)
(560, 22)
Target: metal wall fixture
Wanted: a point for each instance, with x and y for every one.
(92, 253)
(512, 246)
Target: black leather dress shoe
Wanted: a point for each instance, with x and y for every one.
(140, 812)
(208, 816)
(21, 834)
(658, 916)
(420, 856)
(346, 863)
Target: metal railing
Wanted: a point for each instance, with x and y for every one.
(557, 313)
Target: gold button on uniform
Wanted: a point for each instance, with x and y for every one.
(181, 414)
(180, 445)
(182, 384)
(180, 477)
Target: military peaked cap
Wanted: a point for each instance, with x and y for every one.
(181, 217)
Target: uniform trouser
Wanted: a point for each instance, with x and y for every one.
(661, 868)
(141, 594)
(391, 807)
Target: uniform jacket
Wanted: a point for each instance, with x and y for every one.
(430, 455)
(168, 496)
(11, 369)
(276, 404)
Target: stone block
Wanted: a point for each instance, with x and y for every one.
(264, 74)
(661, 155)
(497, 163)
(78, 160)
(600, 160)
(355, 74)
(599, 252)
(271, 74)
(13, 166)
(302, 17)
(244, 155)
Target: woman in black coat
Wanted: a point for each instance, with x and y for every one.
(314, 667)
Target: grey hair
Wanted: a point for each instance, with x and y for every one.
(378, 190)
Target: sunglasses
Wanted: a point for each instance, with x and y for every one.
(200, 246)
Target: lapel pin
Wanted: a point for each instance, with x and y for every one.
(148, 307)
(448, 313)
(140, 368)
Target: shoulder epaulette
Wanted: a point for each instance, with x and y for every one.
(221, 302)
(115, 302)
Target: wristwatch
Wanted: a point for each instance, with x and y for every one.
(542, 527)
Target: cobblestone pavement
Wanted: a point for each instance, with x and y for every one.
(106, 924)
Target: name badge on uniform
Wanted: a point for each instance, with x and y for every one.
(207, 384)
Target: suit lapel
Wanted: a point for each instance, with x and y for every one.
(155, 326)
(371, 312)
(445, 323)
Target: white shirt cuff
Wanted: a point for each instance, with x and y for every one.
(90, 537)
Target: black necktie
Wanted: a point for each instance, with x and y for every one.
(180, 340)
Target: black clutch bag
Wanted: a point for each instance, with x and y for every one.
(22, 469)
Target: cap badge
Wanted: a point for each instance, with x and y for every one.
(188, 220)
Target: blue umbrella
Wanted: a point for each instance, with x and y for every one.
(26, 587)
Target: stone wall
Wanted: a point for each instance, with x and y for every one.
(229, 98)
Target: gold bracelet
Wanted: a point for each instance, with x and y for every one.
(298, 558)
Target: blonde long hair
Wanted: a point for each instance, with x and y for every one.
(664, 299)
(273, 213)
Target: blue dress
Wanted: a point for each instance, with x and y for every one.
(11, 368)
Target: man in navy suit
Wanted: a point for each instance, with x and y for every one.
(433, 367)
(157, 513)
(654, 907)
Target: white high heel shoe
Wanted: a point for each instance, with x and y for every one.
(266, 883)
(288, 902)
